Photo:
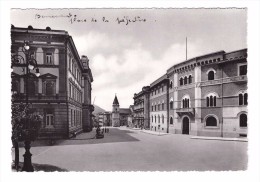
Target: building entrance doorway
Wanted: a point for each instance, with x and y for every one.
(186, 126)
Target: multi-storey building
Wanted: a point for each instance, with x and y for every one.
(206, 95)
(141, 109)
(158, 104)
(210, 95)
(62, 93)
(104, 118)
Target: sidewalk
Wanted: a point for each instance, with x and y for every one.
(154, 132)
(219, 138)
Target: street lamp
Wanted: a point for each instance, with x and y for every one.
(29, 63)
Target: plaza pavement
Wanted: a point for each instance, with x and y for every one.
(123, 149)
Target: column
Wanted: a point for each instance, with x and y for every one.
(197, 77)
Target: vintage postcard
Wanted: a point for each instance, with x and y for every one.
(129, 89)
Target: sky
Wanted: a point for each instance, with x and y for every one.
(125, 56)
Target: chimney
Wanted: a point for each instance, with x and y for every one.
(85, 61)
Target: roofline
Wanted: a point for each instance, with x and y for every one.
(158, 80)
(245, 49)
(38, 30)
(195, 58)
(57, 32)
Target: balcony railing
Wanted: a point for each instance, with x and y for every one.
(241, 78)
(181, 111)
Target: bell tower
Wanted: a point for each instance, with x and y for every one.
(115, 113)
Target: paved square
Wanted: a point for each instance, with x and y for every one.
(132, 150)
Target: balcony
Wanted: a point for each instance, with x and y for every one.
(242, 78)
(139, 109)
(189, 111)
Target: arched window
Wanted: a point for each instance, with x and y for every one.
(211, 75)
(211, 100)
(152, 118)
(186, 102)
(242, 98)
(181, 81)
(162, 106)
(243, 120)
(211, 121)
(245, 99)
(190, 79)
(155, 119)
(162, 119)
(185, 80)
(159, 106)
(171, 103)
(158, 118)
(171, 120)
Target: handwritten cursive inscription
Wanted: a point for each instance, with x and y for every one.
(73, 18)
(126, 20)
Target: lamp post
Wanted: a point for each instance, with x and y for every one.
(29, 63)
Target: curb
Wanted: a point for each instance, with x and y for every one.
(221, 139)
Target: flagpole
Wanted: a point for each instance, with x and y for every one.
(186, 49)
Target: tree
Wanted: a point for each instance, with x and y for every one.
(25, 125)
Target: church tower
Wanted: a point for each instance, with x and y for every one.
(115, 113)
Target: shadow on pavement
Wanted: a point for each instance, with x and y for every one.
(114, 135)
(42, 167)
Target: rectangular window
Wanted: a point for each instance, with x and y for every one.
(49, 120)
(74, 117)
(49, 59)
(49, 117)
(70, 90)
(70, 63)
(71, 117)
(242, 70)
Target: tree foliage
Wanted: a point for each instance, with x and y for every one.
(25, 123)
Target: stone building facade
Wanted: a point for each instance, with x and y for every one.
(159, 98)
(207, 96)
(141, 108)
(62, 93)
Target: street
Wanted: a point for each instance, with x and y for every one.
(123, 149)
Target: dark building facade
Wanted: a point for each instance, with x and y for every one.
(141, 109)
(62, 93)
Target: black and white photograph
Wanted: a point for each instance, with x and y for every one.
(130, 89)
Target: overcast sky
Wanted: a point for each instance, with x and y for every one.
(124, 58)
